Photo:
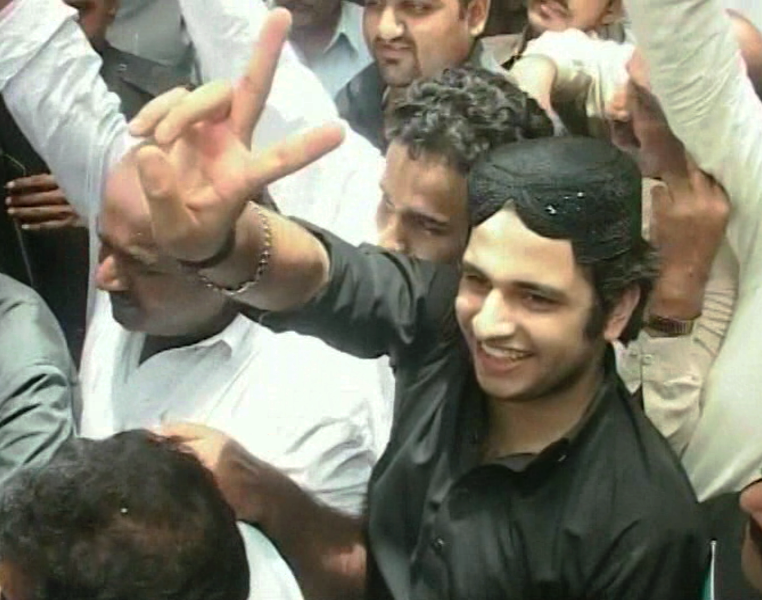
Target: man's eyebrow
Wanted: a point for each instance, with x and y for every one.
(146, 256)
(544, 290)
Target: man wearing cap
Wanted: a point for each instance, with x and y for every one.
(518, 467)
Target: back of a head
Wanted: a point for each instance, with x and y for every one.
(132, 517)
(464, 112)
(579, 189)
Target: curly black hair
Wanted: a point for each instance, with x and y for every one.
(462, 113)
(132, 517)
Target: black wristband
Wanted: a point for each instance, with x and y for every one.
(218, 257)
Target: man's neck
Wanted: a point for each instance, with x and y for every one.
(156, 344)
(313, 41)
(529, 426)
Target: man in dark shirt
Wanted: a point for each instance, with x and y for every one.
(410, 39)
(518, 466)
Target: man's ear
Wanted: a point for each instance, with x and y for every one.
(477, 13)
(614, 13)
(621, 314)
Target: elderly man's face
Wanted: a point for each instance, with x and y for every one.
(149, 291)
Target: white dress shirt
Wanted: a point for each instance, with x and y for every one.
(345, 55)
(313, 412)
(697, 73)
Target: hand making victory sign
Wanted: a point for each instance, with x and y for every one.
(200, 173)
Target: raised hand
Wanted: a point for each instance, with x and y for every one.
(200, 173)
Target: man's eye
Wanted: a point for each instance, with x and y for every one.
(538, 301)
(430, 226)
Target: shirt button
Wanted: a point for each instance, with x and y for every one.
(438, 545)
(647, 359)
(562, 457)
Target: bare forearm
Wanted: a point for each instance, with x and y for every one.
(297, 267)
(325, 549)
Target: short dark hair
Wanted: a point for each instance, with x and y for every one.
(464, 112)
(132, 517)
(583, 190)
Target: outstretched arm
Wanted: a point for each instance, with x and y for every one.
(199, 177)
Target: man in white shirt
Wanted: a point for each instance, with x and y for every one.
(696, 72)
(327, 36)
(49, 77)
(163, 347)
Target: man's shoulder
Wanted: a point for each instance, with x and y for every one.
(30, 333)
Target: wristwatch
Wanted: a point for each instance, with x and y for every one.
(669, 327)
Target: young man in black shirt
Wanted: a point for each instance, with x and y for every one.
(518, 466)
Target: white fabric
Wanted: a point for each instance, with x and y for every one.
(269, 575)
(288, 399)
(697, 73)
(751, 8)
(153, 29)
(49, 78)
(345, 55)
(292, 401)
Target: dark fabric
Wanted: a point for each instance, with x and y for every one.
(360, 103)
(39, 393)
(137, 80)
(595, 204)
(55, 263)
(727, 525)
(606, 514)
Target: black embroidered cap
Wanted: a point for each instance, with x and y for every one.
(580, 189)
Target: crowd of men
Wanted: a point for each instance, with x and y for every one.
(397, 299)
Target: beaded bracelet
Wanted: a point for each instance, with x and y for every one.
(262, 264)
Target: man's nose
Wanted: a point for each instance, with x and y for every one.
(495, 319)
(389, 26)
(391, 235)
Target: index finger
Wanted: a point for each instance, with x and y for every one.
(252, 89)
(44, 180)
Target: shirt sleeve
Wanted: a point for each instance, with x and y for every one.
(672, 372)
(589, 70)
(341, 190)
(697, 73)
(38, 387)
(50, 80)
(377, 303)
